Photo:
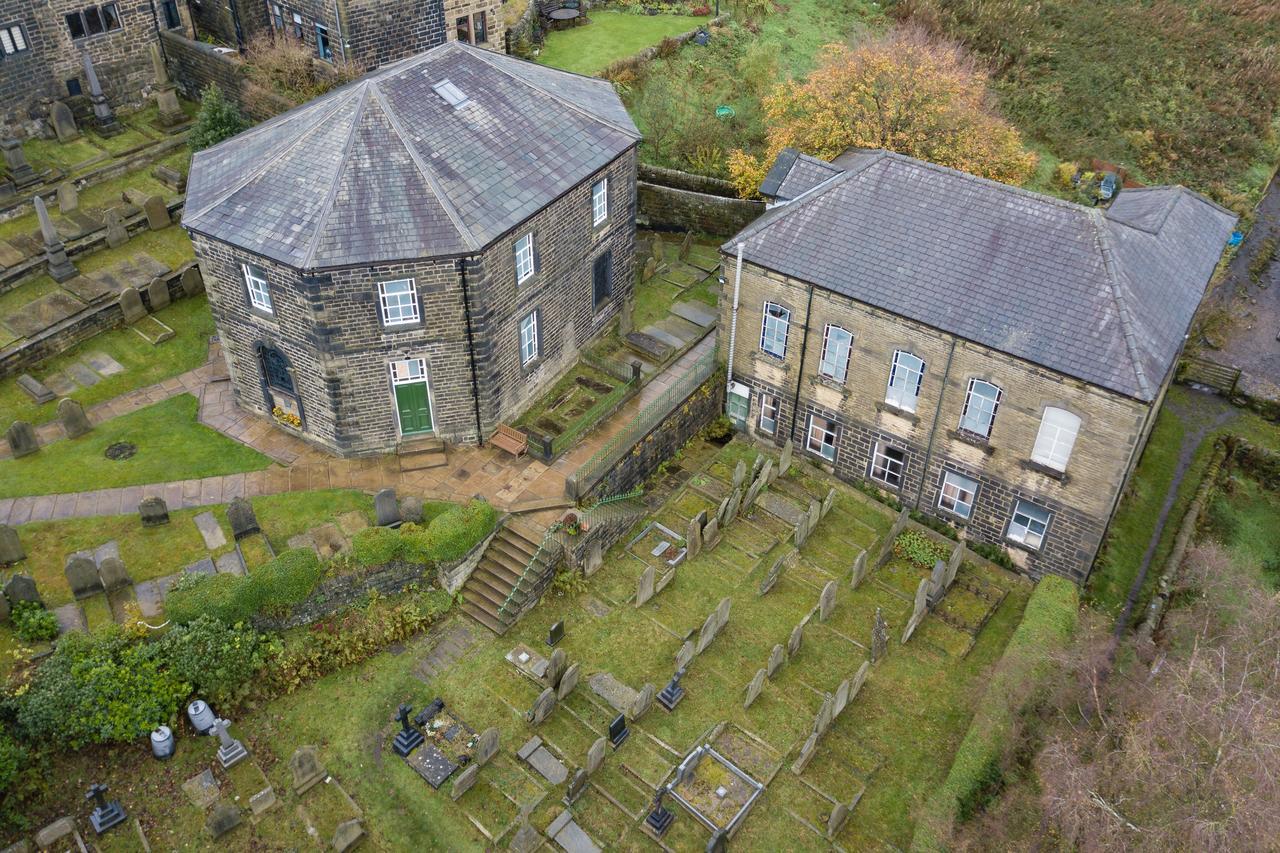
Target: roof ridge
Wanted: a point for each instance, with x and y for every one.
(1114, 273)
(488, 56)
(267, 162)
(327, 207)
(427, 174)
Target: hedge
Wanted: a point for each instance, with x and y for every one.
(277, 584)
(445, 538)
(1048, 623)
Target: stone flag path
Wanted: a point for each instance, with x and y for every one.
(508, 483)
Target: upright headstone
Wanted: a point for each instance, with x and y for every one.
(685, 245)
(486, 747)
(102, 112)
(685, 654)
(82, 576)
(693, 538)
(68, 198)
(807, 750)
(117, 233)
(106, 813)
(842, 696)
(21, 587)
(801, 533)
(826, 713)
(307, 770)
(59, 266)
(722, 511)
(770, 580)
(643, 701)
(463, 781)
(15, 162)
(953, 565)
(166, 92)
(577, 785)
(754, 688)
(157, 213)
(859, 678)
(828, 502)
(722, 613)
(241, 517)
(567, 682)
(644, 586)
(708, 632)
(595, 756)
(542, 707)
(859, 570)
(192, 281)
(735, 504)
(386, 508)
(879, 637)
(711, 534)
(230, 750)
(153, 511)
(113, 574)
(936, 578)
(739, 473)
(64, 122)
(224, 818)
(918, 610)
(827, 601)
(670, 696)
(74, 421)
(158, 293)
(22, 439)
(784, 462)
(777, 658)
(11, 550)
(618, 731)
(839, 814)
(795, 640)
(131, 305)
(556, 667)
(815, 515)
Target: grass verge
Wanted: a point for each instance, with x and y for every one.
(609, 36)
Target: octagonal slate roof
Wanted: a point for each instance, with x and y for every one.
(1104, 296)
(386, 169)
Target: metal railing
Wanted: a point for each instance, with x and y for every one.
(591, 418)
(549, 544)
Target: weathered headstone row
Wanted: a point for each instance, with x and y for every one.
(561, 677)
(486, 747)
(780, 565)
(87, 576)
(886, 550)
(931, 589)
(832, 706)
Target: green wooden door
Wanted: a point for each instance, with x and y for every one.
(415, 408)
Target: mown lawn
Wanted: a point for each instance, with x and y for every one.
(609, 36)
(171, 446)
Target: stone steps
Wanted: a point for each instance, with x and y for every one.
(419, 454)
(501, 567)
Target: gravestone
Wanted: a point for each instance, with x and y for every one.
(827, 601)
(708, 632)
(63, 121)
(307, 769)
(567, 682)
(555, 634)
(650, 267)
(643, 701)
(158, 293)
(722, 512)
(21, 587)
(577, 784)
(693, 536)
(74, 421)
(801, 533)
(68, 198)
(542, 707)
(153, 511)
(918, 610)
(859, 678)
(595, 756)
(722, 613)
(670, 696)
(50, 835)
(711, 534)
(408, 738)
(486, 747)
(644, 587)
(685, 245)
(171, 178)
(192, 281)
(735, 504)
(106, 813)
(815, 515)
(556, 666)
(347, 835)
(618, 731)
(879, 637)
(59, 267)
(11, 550)
(826, 713)
(754, 688)
(659, 819)
(775, 572)
(230, 750)
(777, 658)
(936, 587)
(859, 570)
(807, 750)
(766, 474)
(739, 473)
(593, 560)
(526, 839)
(262, 801)
(131, 305)
(795, 640)
(82, 576)
(685, 654)
(22, 439)
(35, 389)
(411, 509)
(157, 213)
(224, 818)
(828, 502)
(784, 461)
(464, 780)
(842, 696)
(839, 815)
(953, 565)
(386, 509)
(756, 465)
(102, 112)
(16, 164)
(241, 517)
(117, 233)
(113, 574)
(166, 92)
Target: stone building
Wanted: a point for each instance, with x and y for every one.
(41, 47)
(369, 33)
(420, 253)
(988, 355)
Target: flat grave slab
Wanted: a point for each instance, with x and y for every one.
(10, 255)
(83, 374)
(70, 618)
(230, 563)
(152, 330)
(648, 346)
(36, 316)
(201, 567)
(775, 504)
(60, 383)
(696, 313)
(150, 594)
(540, 759)
(570, 836)
(103, 363)
(201, 789)
(90, 288)
(528, 662)
(210, 530)
(656, 332)
(680, 328)
(431, 764)
(621, 697)
(35, 389)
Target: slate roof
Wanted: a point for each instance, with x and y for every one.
(384, 169)
(1103, 296)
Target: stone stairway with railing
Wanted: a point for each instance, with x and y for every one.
(512, 574)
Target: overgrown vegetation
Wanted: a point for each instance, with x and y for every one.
(270, 588)
(32, 623)
(289, 68)
(218, 119)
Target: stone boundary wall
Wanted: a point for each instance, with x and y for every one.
(636, 60)
(451, 576)
(636, 463)
(526, 28)
(606, 525)
(79, 327)
(686, 181)
(193, 65)
(666, 208)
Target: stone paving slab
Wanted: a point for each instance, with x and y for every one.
(230, 563)
(201, 567)
(10, 256)
(696, 312)
(83, 374)
(210, 531)
(103, 363)
(36, 316)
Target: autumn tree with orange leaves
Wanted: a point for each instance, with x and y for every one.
(904, 91)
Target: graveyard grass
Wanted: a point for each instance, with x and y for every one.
(171, 446)
(144, 363)
(608, 36)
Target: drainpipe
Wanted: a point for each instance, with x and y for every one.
(337, 21)
(235, 20)
(804, 346)
(471, 350)
(733, 317)
(933, 431)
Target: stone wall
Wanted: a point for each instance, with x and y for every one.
(636, 463)
(671, 208)
(451, 576)
(194, 65)
(337, 593)
(686, 181)
(523, 34)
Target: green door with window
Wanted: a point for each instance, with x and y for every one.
(415, 408)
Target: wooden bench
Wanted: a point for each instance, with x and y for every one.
(511, 440)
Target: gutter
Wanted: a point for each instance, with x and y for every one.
(471, 350)
(933, 430)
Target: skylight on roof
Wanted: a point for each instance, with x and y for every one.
(452, 94)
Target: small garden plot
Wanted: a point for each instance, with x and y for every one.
(658, 545)
(715, 790)
(563, 407)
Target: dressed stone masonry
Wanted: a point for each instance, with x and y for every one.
(421, 253)
(988, 355)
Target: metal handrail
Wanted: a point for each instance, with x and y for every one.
(548, 537)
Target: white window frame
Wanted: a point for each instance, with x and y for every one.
(821, 445)
(599, 201)
(905, 379)
(1056, 438)
(408, 371)
(952, 494)
(834, 363)
(1024, 531)
(884, 468)
(768, 403)
(769, 331)
(13, 39)
(529, 337)
(394, 305)
(258, 288)
(979, 407)
(524, 258)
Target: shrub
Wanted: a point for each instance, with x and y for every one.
(456, 531)
(12, 759)
(289, 68)
(216, 659)
(919, 548)
(1048, 623)
(934, 523)
(32, 623)
(273, 586)
(995, 553)
(217, 120)
(377, 546)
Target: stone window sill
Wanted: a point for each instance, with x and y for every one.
(1053, 473)
(828, 382)
(769, 358)
(890, 409)
(531, 367)
(952, 517)
(1014, 543)
(402, 327)
(264, 316)
(973, 439)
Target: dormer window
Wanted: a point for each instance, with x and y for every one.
(451, 94)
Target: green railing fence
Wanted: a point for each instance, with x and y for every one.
(589, 419)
